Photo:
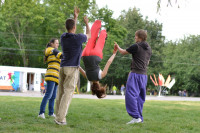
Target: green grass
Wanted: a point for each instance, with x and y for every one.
(19, 115)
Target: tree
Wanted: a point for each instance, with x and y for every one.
(56, 13)
(20, 17)
(181, 60)
(28, 25)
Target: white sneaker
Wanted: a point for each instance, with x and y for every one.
(53, 115)
(135, 121)
(42, 116)
(60, 123)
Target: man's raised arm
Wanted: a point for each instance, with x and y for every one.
(76, 12)
(88, 32)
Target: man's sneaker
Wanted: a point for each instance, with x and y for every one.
(135, 121)
(60, 123)
(53, 115)
(42, 116)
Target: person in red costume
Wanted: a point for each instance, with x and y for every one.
(92, 56)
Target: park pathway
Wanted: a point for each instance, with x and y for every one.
(88, 96)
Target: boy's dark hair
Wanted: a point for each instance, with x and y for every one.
(142, 34)
(69, 24)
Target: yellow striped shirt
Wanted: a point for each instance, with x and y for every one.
(52, 73)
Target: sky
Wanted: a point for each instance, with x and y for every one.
(177, 22)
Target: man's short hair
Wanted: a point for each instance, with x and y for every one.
(142, 34)
(69, 24)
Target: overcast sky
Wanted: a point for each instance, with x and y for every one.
(177, 22)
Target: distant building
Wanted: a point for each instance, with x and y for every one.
(21, 78)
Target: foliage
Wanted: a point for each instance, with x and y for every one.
(21, 17)
(181, 60)
(27, 25)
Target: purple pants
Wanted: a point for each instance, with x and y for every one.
(135, 94)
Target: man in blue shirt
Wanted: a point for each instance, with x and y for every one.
(71, 44)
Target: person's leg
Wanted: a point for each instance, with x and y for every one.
(132, 93)
(141, 98)
(69, 87)
(52, 99)
(92, 41)
(98, 50)
(48, 94)
(60, 90)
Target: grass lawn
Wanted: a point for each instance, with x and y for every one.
(19, 115)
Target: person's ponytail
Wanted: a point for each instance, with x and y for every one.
(48, 45)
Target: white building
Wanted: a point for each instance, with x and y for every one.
(21, 78)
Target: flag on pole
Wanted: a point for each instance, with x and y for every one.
(153, 81)
(168, 80)
(161, 80)
(171, 83)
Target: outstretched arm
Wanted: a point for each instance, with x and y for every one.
(88, 32)
(82, 72)
(122, 51)
(109, 62)
(76, 12)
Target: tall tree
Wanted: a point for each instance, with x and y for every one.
(56, 13)
(20, 16)
(28, 25)
(182, 61)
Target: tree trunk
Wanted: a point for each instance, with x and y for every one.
(24, 59)
(19, 41)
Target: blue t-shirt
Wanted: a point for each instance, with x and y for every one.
(72, 49)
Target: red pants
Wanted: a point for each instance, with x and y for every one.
(95, 47)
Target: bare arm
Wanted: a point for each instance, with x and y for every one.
(109, 62)
(122, 51)
(82, 72)
(88, 32)
(76, 12)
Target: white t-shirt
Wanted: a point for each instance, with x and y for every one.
(99, 76)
